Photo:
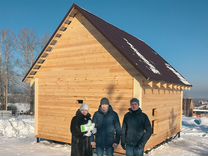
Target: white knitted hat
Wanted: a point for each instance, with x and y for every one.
(84, 107)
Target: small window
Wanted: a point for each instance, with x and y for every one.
(80, 101)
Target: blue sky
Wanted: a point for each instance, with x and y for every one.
(176, 29)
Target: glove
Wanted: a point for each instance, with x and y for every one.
(88, 134)
(123, 146)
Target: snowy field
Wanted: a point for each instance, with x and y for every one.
(17, 139)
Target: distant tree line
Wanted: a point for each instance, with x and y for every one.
(17, 54)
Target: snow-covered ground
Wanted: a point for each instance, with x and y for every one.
(28, 147)
(17, 139)
(22, 126)
(193, 140)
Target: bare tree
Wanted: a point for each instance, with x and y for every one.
(28, 44)
(1, 84)
(17, 54)
(7, 46)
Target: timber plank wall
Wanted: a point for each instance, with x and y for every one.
(164, 108)
(80, 67)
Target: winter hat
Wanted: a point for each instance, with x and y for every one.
(104, 101)
(84, 107)
(134, 100)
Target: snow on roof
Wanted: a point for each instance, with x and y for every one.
(183, 80)
(151, 67)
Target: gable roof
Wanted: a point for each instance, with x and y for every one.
(148, 62)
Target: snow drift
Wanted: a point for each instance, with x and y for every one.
(196, 126)
(22, 126)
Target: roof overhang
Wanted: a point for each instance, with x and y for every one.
(164, 85)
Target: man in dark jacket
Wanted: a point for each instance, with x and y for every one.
(136, 130)
(108, 128)
(81, 136)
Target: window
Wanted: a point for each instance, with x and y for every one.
(80, 101)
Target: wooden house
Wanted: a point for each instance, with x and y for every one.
(87, 59)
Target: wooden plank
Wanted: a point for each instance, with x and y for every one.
(117, 84)
(136, 89)
(161, 104)
(73, 99)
